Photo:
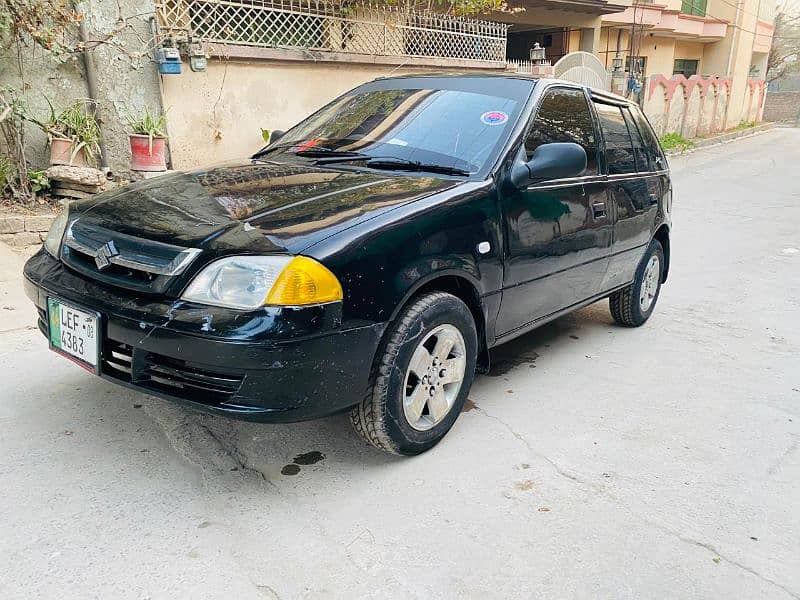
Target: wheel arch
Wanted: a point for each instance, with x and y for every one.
(662, 235)
(462, 286)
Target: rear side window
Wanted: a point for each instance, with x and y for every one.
(642, 164)
(564, 116)
(652, 148)
(619, 146)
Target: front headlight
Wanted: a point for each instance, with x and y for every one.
(52, 243)
(249, 282)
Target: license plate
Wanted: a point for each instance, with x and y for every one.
(74, 333)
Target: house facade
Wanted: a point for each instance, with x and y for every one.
(223, 70)
(690, 40)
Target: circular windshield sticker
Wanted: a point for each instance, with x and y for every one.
(494, 117)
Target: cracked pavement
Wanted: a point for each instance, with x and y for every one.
(594, 462)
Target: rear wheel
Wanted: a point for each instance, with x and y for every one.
(421, 378)
(633, 305)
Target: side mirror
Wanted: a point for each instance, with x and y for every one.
(550, 161)
(276, 135)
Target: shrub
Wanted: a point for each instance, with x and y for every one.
(675, 141)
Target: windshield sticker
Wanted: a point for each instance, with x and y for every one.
(494, 117)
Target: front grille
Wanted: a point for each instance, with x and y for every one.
(42, 322)
(168, 375)
(123, 260)
(117, 272)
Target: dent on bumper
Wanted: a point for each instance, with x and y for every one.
(275, 366)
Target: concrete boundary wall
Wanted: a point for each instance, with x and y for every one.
(698, 106)
(217, 115)
(783, 107)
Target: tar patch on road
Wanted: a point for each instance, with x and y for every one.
(309, 458)
(506, 364)
(468, 406)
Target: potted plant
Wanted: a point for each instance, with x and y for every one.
(74, 135)
(148, 142)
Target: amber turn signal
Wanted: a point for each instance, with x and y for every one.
(304, 281)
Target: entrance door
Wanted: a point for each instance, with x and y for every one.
(558, 232)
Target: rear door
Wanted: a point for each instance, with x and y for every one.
(633, 191)
(558, 232)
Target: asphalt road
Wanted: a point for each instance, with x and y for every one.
(595, 462)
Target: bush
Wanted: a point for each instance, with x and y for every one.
(675, 141)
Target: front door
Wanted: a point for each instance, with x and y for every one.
(558, 232)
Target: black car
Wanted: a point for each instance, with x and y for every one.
(369, 258)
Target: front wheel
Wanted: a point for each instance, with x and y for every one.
(633, 305)
(421, 377)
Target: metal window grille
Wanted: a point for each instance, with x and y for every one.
(313, 25)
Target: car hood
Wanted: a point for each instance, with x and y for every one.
(253, 205)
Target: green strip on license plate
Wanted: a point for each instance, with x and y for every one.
(55, 322)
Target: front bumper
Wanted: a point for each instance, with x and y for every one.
(276, 364)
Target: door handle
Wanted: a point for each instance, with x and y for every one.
(598, 210)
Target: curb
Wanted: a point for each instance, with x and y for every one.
(723, 138)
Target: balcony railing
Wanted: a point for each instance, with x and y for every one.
(321, 26)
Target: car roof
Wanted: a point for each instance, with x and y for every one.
(595, 93)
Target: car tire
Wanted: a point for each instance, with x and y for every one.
(633, 305)
(415, 395)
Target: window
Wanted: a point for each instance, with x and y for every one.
(636, 65)
(450, 127)
(694, 7)
(652, 148)
(619, 148)
(564, 116)
(642, 164)
(685, 67)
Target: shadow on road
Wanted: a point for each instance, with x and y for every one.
(222, 448)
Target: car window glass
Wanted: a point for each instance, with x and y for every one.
(454, 128)
(651, 145)
(564, 116)
(638, 146)
(619, 148)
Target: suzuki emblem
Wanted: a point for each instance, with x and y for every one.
(104, 255)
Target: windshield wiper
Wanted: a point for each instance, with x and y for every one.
(323, 152)
(403, 164)
(311, 151)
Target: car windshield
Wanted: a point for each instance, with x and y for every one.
(458, 127)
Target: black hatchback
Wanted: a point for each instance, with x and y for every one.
(369, 258)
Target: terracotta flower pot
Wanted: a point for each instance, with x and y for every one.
(147, 158)
(61, 154)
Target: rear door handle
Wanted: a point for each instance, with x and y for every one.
(598, 210)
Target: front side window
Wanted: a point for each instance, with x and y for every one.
(619, 146)
(459, 128)
(564, 116)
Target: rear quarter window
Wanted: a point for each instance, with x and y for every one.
(652, 147)
(620, 157)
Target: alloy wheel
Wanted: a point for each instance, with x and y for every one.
(650, 281)
(434, 377)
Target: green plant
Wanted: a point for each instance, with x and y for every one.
(746, 125)
(39, 181)
(12, 134)
(150, 125)
(77, 124)
(5, 173)
(675, 141)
